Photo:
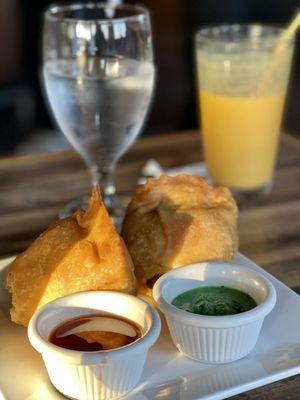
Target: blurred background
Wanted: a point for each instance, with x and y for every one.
(25, 126)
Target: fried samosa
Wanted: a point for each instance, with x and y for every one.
(77, 253)
(174, 221)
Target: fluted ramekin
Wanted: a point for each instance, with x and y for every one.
(214, 339)
(94, 375)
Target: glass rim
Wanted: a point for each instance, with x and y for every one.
(54, 10)
(202, 35)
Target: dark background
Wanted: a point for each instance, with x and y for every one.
(22, 110)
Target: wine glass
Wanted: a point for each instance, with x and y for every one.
(99, 76)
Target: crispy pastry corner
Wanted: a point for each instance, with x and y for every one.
(77, 253)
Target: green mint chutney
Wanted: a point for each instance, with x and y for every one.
(214, 300)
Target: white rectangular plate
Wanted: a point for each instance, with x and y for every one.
(167, 374)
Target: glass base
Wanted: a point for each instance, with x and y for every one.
(115, 206)
(248, 198)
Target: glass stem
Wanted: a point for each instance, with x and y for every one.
(103, 177)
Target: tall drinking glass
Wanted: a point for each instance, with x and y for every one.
(98, 75)
(242, 88)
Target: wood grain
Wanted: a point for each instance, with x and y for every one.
(34, 188)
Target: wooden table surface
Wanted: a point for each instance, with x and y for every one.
(34, 188)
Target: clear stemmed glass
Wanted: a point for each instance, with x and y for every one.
(98, 76)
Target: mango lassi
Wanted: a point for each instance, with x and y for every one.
(242, 88)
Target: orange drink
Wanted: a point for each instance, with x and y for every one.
(241, 99)
(240, 138)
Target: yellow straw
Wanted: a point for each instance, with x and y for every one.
(287, 34)
(280, 45)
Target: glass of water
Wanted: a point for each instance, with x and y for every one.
(98, 77)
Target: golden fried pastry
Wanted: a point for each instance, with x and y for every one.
(78, 253)
(173, 221)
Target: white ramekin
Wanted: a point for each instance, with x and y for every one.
(94, 375)
(214, 339)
